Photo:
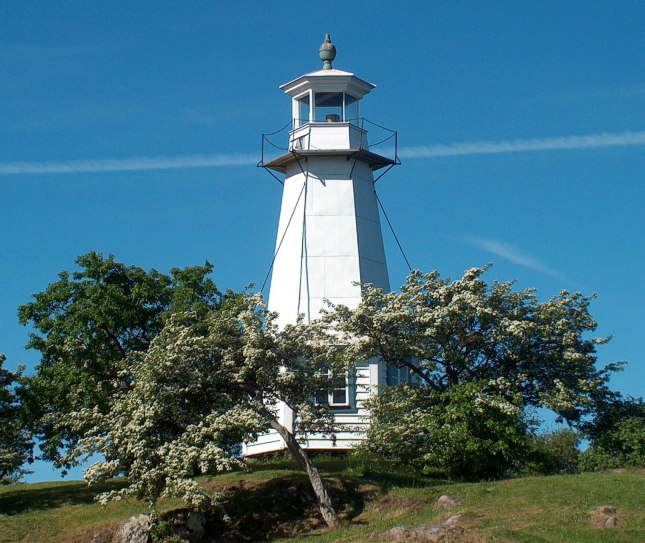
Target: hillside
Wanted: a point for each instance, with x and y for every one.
(272, 502)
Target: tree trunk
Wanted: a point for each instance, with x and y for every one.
(320, 489)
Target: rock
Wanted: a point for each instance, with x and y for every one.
(426, 533)
(447, 503)
(611, 522)
(185, 524)
(452, 520)
(134, 529)
(604, 516)
(104, 536)
(195, 523)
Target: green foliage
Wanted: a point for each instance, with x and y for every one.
(205, 384)
(552, 453)
(450, 333)
(617, 435)
(87, 324)
(623, 446)
(611, 412)
(473, 430)
(15, 441)
(161, 532)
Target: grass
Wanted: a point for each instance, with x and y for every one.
(272, 501)
(62, 512)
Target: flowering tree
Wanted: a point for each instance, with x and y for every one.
(203, 386)
(450, 333)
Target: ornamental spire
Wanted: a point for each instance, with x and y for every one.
(327, 52)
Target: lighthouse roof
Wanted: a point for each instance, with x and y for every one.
(328, 80)
(331, 71)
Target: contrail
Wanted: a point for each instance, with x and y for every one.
(590, 141)
(142, 163)
(127, 164)
(511, 253)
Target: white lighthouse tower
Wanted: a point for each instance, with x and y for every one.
(329, 238)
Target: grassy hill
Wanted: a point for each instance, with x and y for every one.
(272, 501)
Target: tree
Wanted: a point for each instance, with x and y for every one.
(451, 333)
(472, 430)
(15, 441)
(552, 453)
(617, 436)
(86, 324)
(204, 385)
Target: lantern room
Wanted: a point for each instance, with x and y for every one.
(326, 115)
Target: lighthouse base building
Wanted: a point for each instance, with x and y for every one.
(329, 239)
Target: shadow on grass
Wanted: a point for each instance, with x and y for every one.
(326, 463)
(284, 506)
(18, 499)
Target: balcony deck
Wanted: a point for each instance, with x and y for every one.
(375, 161)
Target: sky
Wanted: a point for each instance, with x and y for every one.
(134, 128)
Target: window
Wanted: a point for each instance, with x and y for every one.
(337, 396)
(397, 376)
(329, 107)
(351, 109)
(303, 110)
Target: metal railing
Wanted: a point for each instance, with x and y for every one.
(383, 134)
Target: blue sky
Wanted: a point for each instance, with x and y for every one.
(134, 129)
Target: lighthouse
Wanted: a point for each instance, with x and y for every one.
(329, 238)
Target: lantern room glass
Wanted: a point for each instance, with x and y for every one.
(303, 110)
(329, 107)
(351, 109)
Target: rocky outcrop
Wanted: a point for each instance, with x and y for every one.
(447, 531)
(185, 524)
(134, 529)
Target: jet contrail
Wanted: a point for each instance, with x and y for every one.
(141, 163)
(590, 141)
(511, 253)
(128, 164)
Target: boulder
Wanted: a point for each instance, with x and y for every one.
(611, 522)
(447, 503)
(185, 524)
(604, 516)
(195, 523)
(134, 529)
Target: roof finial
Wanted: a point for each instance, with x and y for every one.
(327, 52)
